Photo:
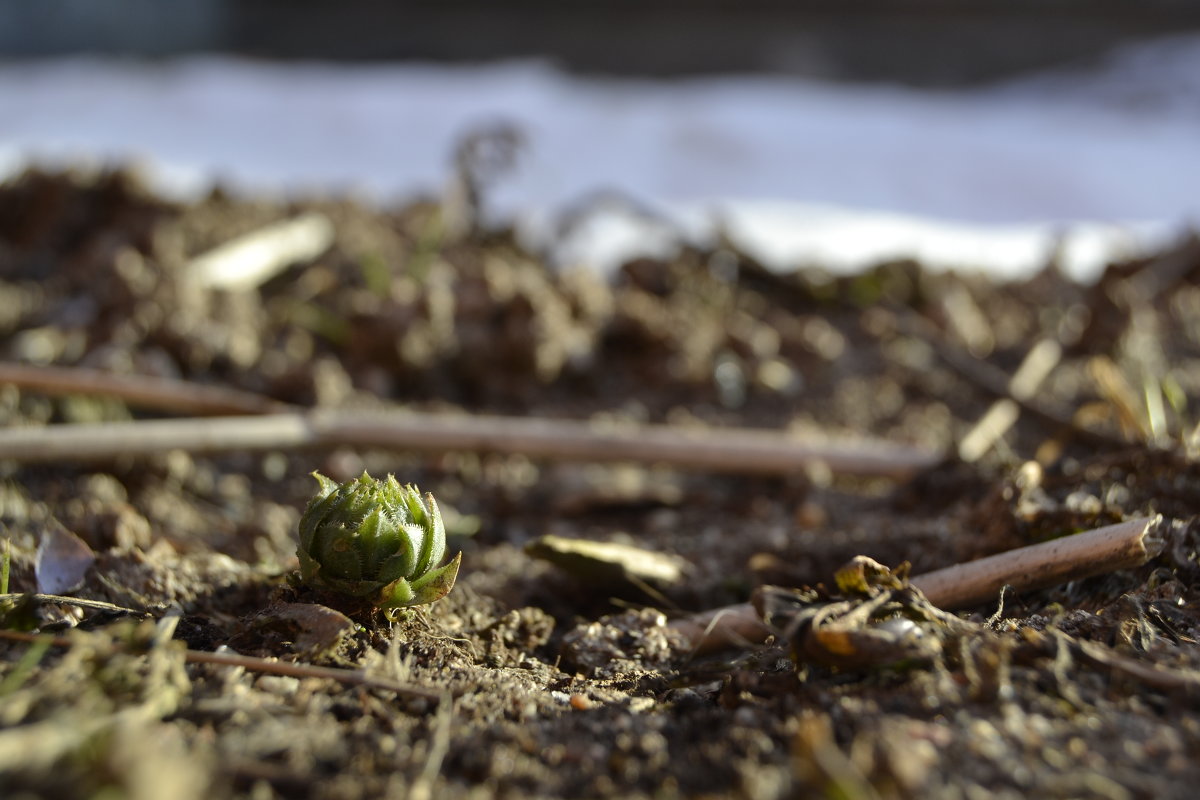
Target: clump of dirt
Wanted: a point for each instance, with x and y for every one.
(526, 680)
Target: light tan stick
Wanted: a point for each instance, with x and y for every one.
(1113, 547)
(1126, 544)
(253, 259)
(143, 391)
(733, 450)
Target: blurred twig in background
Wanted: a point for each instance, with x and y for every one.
(731, 450)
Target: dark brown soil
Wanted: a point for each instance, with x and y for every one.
(553, 686)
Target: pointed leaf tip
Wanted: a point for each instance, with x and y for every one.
(327, 485)
(437, 583)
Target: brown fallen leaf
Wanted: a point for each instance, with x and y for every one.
(312, 630)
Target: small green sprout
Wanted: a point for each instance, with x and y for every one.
(377, 541)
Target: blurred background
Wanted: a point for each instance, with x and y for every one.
(927, 42)
(983, 133)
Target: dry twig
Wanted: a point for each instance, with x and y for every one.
(143, 391)
(79, 602)
(1126, 544)
(1167, 680)
(729, 450)
(263, 665)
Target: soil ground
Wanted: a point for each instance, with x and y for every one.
(530, 681)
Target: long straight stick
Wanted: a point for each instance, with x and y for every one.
(145, 391)
(734, 450)
(1125, 544)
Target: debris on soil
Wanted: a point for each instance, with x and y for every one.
(608, 564)
(187, 663)
(623, 644)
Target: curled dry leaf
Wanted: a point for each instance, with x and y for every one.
(62, 561)
(312, 630)
(883, 622)
(608, 563)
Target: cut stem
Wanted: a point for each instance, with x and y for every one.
(1113, 547)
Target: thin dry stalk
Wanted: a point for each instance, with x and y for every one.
(1113, 547)
(267, 666)
(142, 391)
(79, 602)
(730, 450)
(1185, 681)
(728, 628)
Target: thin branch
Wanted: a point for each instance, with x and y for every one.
(731, 450)
(262, 665)
(1162, 678)
(95, 605)
(344, 676)
(142, 391)
(1113, 547)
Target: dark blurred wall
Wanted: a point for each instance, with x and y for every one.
(938, 42)
(135, 27)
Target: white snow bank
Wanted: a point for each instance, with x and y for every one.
(799, 171)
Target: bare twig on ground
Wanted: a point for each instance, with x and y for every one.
(344, 676)
(731, 450)
(1167, 680)
(144, 391)
(267, 666)
(1126, 544)
(58, 599)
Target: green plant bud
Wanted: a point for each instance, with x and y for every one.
(375, 540)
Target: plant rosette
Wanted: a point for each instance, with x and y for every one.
(376, 541)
